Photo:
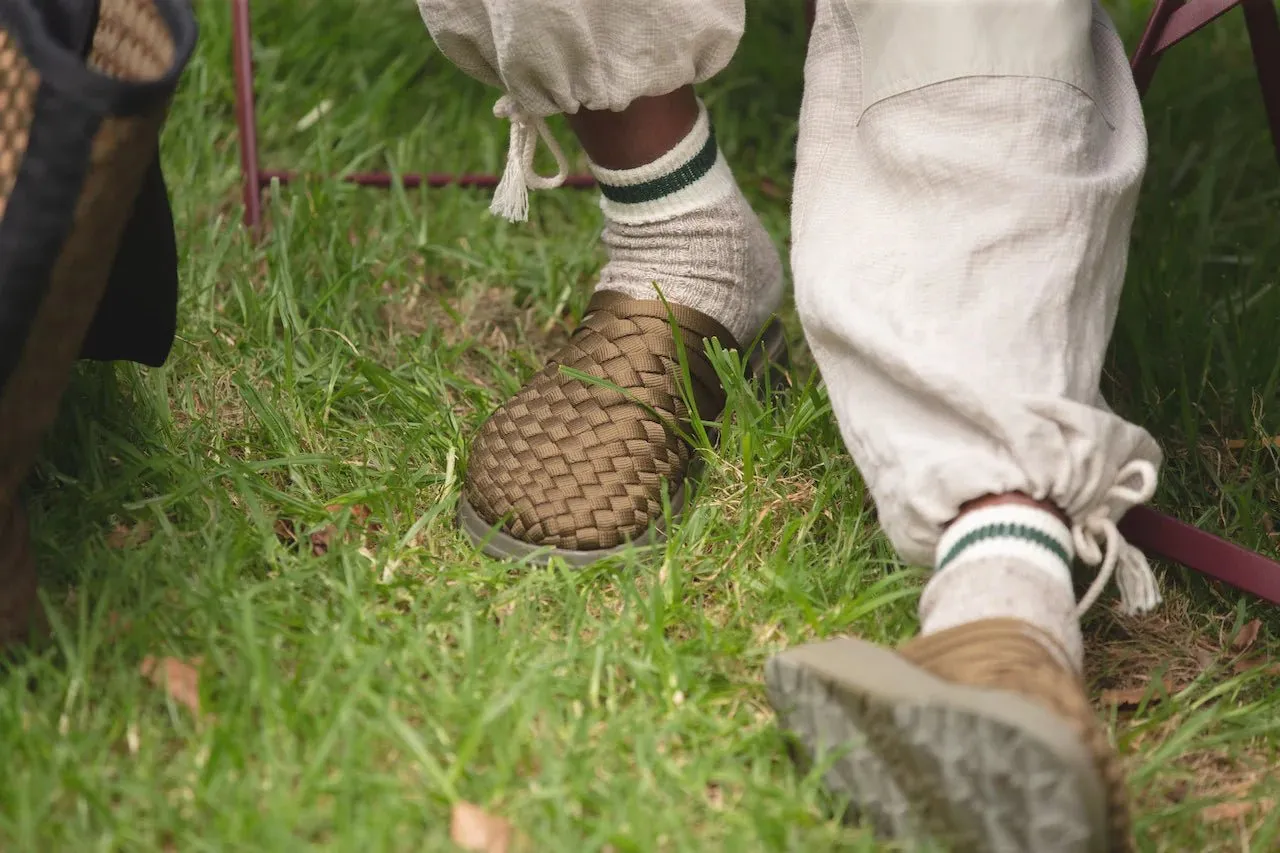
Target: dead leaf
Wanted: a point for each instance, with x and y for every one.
(715, 796)
(285, 531)
(1230, 811)
(117, 626)
(1242, 443)
(124, 536)
(359, 512)
(1248, 634)
(474, 829)
(180, 679)
(321, 539)
(503, 611)
(1261, 662)
(772, 190)
(1131, 697)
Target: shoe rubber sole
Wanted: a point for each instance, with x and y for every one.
(768, 360)
(922, 759)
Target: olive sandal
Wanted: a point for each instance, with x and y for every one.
(577, 470)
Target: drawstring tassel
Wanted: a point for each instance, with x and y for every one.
(1098, 542)
(1138, 590)
(511, 198)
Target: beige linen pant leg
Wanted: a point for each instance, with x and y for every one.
(967, 176)
(559, 56)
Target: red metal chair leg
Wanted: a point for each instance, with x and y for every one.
(1264, 37)
(1160, 535)
(1173, 20)
(1147, 55)
(255, 179)
(246, 112)
(1157, 534)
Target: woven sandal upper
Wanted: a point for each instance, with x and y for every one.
(1014, 656)
(581, 465)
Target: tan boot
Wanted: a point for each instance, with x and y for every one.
(979, 737)
(77, 135)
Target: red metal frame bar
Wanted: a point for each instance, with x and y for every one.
(254, 179)
(1157, 534)
(1263, 25)
(1163, 536)
(1171, 21)
(246, 111)
(1174, 20)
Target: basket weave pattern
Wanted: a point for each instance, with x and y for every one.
(131, 42)
(582, 465)
(18, 85)
(121, 151)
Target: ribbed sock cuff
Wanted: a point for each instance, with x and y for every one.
(1032, 536)
(690, 176)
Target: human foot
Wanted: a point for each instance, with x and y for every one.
(578, 469)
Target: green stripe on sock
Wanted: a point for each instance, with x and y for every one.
(665, 185)
(1004, 530)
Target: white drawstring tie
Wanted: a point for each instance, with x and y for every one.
(511, 198)
(1099, 543)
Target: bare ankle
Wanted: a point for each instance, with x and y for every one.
(1014, 498)
(638, 135)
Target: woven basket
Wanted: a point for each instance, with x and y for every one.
(84, 88)
(138, 315)
(77, 137)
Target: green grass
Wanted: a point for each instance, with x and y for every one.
(349, 698)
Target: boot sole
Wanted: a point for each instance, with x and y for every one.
(769, 360)
(925, 759)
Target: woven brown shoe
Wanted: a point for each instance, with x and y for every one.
(78, 131)
(576, 469)
(978, 737)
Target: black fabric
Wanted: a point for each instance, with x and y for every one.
(71, 22)
(138, 316)
(67, 72)
(39, 214)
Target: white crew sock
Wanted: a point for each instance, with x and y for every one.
(681, 224)
(1006, 561)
